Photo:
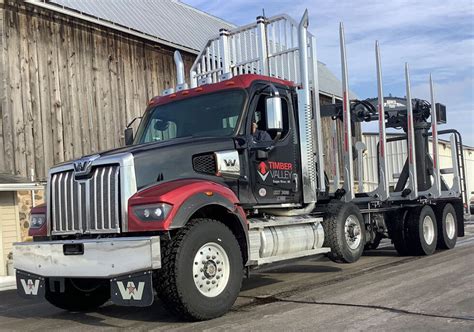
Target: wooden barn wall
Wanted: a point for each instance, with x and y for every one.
(69, 88)
(329, 151)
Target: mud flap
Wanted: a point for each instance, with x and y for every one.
(132, 290)
(30, 286)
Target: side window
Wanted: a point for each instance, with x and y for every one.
(230, 122)
(259, 120)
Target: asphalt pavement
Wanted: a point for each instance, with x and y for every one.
(381, 291)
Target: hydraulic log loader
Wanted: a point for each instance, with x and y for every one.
(228, 174)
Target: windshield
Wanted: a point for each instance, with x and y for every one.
(214, 115)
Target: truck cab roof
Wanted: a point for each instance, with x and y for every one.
(241, 81)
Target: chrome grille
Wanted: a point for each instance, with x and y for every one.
(89, 205)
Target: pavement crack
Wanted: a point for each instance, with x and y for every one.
(273, 299)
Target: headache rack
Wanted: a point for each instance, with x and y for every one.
(282, 48)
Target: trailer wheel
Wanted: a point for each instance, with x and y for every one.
(202, 270)
(344, 232)
(397, 230)
(422, 230)
(80, 294)
(447, 226)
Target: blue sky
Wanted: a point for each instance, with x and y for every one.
(434, 36)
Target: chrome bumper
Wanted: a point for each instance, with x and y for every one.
(100, 258)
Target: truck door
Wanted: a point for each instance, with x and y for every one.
(274, 162)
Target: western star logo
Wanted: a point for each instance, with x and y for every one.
(230, 162)
(83, 166)
(131, 292)
(30, 287)
(280, 172)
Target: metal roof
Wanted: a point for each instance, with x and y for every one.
(168, 20)
(329, 84)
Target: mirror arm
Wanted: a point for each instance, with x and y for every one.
(134, 119)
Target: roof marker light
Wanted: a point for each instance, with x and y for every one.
(198, 89)
(230, 83)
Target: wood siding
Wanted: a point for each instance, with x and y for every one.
(69, 88)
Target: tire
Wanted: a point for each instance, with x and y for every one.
(375, 244)
(398, 231)
(447, 226)
(189, 283)
(344, 232)
(80, 294)
(422, 231)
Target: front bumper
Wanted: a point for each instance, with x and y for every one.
(100, 258)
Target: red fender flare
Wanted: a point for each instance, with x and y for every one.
(177, 193)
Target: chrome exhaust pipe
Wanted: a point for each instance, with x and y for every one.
(178, 60)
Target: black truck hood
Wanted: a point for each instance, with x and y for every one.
(163, 161)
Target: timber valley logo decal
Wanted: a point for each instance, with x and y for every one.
(280, 172)
(263, 170)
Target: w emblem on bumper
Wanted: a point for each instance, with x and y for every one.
(131, 292)
(30, 287)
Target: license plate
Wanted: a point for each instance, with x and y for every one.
(132, 290)
(29, 285)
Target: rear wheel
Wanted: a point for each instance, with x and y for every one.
(202, 270)
(422, 230)
(79, 294)
(344, 232)
(398, 230)
(447, 226)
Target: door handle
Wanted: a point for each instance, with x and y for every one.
(295, 181)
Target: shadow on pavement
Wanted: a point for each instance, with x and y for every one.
(26, 309)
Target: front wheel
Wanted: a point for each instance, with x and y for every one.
(202, 270)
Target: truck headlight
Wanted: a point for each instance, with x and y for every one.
(152, 212)
(37, 220)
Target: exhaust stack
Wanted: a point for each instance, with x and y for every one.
(178, 60)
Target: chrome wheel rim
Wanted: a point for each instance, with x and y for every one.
(211, 269)
(353, 232)
(450, 226)
(428, 230)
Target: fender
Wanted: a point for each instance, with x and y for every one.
(186, 197)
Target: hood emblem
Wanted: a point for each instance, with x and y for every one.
(83, 166)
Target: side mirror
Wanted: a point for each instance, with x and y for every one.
(274, 114)
(128, 133)
(128, 136)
